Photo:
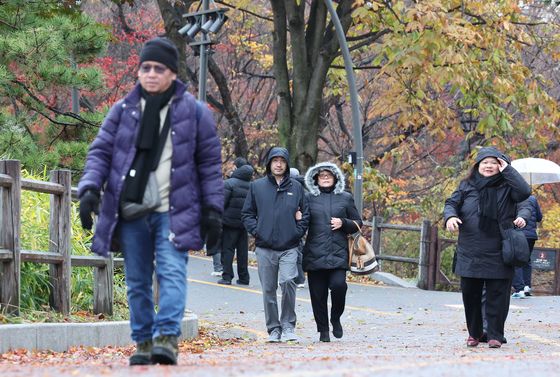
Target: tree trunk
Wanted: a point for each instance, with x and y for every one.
(313, 46)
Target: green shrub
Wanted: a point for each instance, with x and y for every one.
(403, 244)
(407, 244)
(35, 284)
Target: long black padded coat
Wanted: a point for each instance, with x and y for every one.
(325, 248)
(479, 254)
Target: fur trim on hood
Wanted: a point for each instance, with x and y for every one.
(313, 187)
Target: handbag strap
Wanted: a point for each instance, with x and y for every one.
(358, 227)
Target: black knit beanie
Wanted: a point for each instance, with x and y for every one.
(240, 161)
(160, 50)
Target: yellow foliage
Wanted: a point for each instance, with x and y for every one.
(471, 51)
(550, 226)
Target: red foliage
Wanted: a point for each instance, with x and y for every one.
(120, 63)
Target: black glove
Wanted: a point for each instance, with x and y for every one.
(211, 227)
(89, 202)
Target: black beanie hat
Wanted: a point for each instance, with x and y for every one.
(488, 152)
(240, 161)
(160, 50)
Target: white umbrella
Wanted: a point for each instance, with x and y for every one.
(537, 170)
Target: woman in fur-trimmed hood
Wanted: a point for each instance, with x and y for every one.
(325, 254)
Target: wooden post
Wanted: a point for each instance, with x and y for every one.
(423, 270)
(59, 231)
(432, 261)
(376, 238)
(9, 238)
(103, 287)
(556, 285)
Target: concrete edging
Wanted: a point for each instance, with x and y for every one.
(60, 337)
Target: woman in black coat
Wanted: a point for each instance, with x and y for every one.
(325, 254)
(486, 199)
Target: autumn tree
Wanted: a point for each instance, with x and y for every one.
(450, 75)
(44, 51)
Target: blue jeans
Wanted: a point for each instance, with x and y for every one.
(144, 241)
(217, 262)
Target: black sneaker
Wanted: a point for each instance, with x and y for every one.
(165, 350)
(337, 329)
(242, 282)
(142, 354)
(224, 282)
(324, 336)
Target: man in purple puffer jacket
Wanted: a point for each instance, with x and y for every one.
(186, 164)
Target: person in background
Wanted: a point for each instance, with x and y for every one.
(269, 215)
(125, 153)
(522, 277)
(234, 236)
(333, 215)
(216, 253)
(300, 279)
(484, 201)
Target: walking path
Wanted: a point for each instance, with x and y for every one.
(389, 331)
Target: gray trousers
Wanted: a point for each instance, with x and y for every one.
(278, 267)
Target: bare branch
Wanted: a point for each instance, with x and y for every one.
(244, 10)
(55, 110)
(8, 24)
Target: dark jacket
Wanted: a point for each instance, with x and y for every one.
(196, 176)
(269, 210)
(235, 192)
(530, 230)
(479, 254)
(325, 248)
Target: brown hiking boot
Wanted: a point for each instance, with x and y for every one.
(165, 350)
(142, 354)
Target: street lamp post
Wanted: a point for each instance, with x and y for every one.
(356, 124)
(204, 21)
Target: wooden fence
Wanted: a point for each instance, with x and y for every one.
(425, 260)
(59, 256)
(431, 248)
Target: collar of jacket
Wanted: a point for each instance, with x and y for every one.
(284, 185)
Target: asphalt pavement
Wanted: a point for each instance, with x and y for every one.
(387, 331)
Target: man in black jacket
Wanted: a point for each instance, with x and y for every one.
(269, 214)
(234, 235)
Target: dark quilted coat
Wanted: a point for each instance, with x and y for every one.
(235, 192)
(327, 249)
(196, 177)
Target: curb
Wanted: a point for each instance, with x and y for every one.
(59, 337)
(392, 280)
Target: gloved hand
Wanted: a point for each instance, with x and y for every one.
(89, 202)
(211, 227)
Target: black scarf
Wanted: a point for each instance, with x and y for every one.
(147, 151)
(487, 200)
(326, 190)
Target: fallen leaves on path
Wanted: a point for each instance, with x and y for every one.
(107, 355)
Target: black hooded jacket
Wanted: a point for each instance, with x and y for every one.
(327, 249)
(270, 209)
(235, 192)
